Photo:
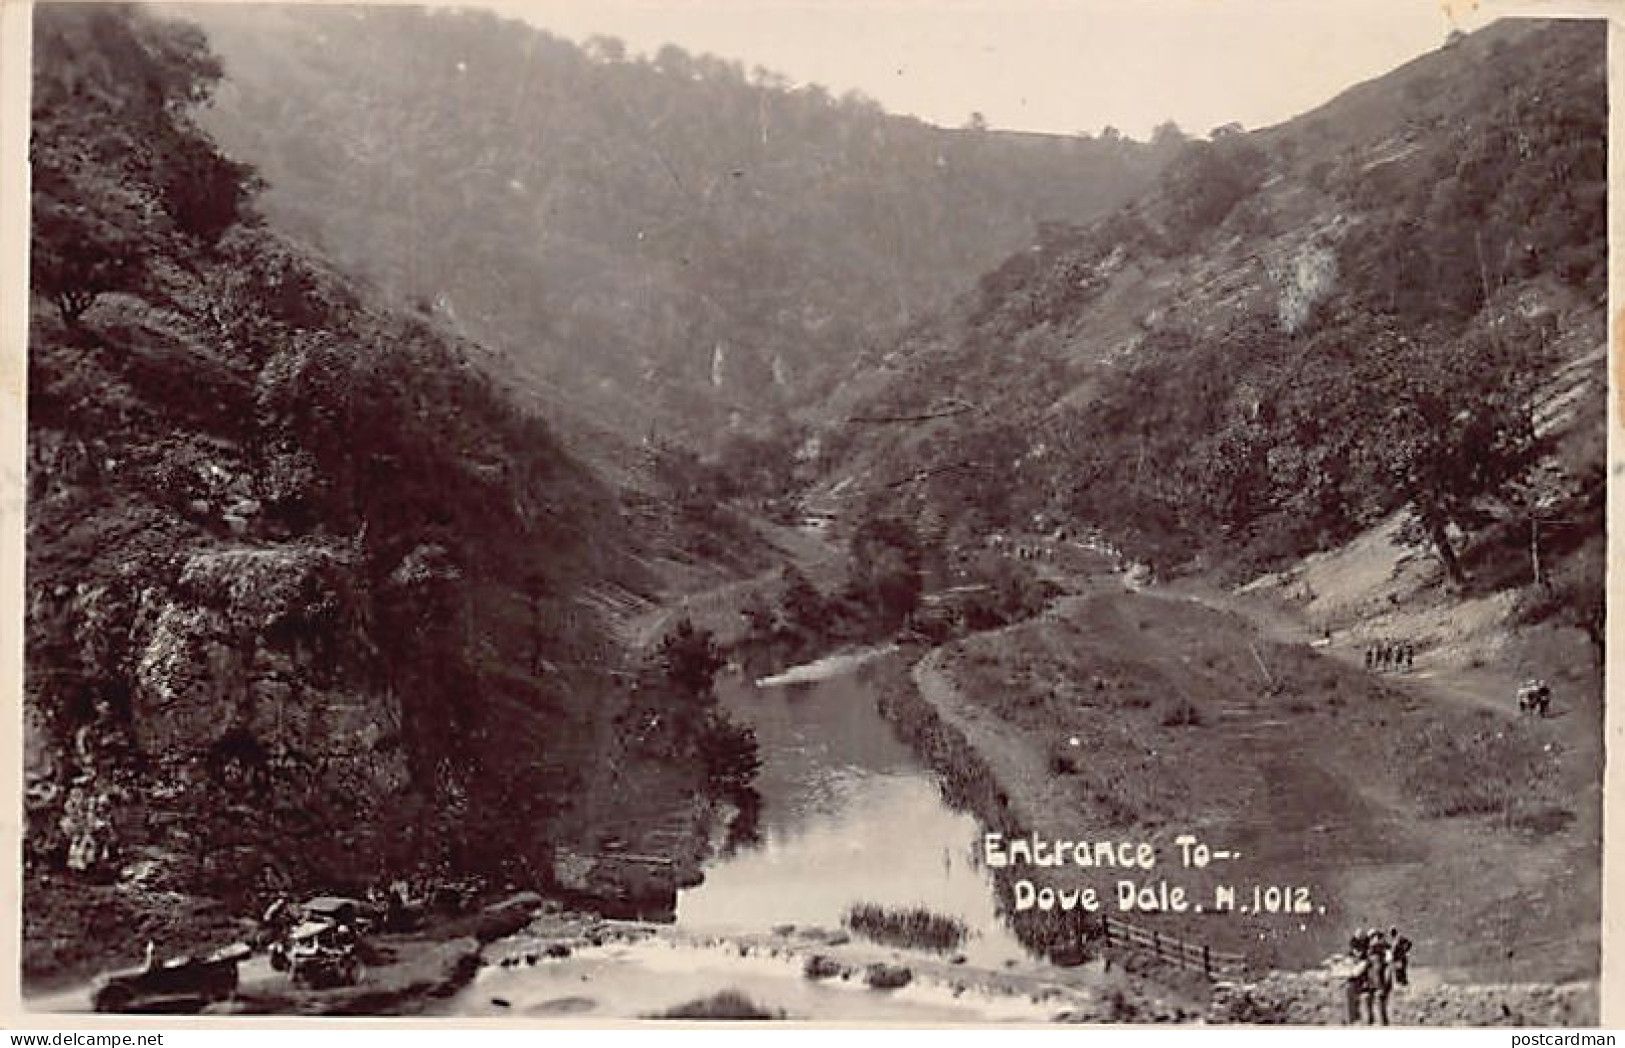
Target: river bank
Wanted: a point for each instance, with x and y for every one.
(1143, 717)
(765, 921)
(562, 967)
(402, 971)
(525, 957)
(1112, 715)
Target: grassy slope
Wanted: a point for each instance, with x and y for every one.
(1329, 777)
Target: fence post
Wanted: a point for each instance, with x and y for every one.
(1207, 961)
(1156, 944)
(1106, 927)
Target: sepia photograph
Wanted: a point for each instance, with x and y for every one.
(1058, 511)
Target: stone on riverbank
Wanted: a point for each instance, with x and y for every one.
(422, 970)
(820, 966)
(887, 976)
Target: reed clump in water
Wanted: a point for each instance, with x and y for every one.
(914, 927)
(729, 1004)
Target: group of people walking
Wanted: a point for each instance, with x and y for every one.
(1390, 655)
(1535, 696)
(1380, 961)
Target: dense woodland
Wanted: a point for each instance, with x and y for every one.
(665, 242)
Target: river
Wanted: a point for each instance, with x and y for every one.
(849, 815)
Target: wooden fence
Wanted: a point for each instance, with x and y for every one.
(1172, 949)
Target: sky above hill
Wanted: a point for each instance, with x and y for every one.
(1061, 66)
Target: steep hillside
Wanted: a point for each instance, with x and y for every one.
(1357, 365)
(1393, 303)
(657, 243)
(309, 601)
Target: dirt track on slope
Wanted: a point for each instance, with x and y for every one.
(1299, 761)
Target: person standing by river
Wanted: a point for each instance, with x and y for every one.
(1399, 949)
(1378, 978)
(1354, 969)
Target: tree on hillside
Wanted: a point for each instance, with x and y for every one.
(805, 609)
(761, 622)
(687, 718)
(1453, 432)
(731, 756)
(675, 691)
(119, 167)
(884, 574)
(690, 660)
(1206, 180)
(205, 193)
(1168, 137)
(1582, 585)
(79, 252)
(605, 49)
(674, 61)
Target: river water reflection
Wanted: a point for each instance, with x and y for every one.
(849, 815)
